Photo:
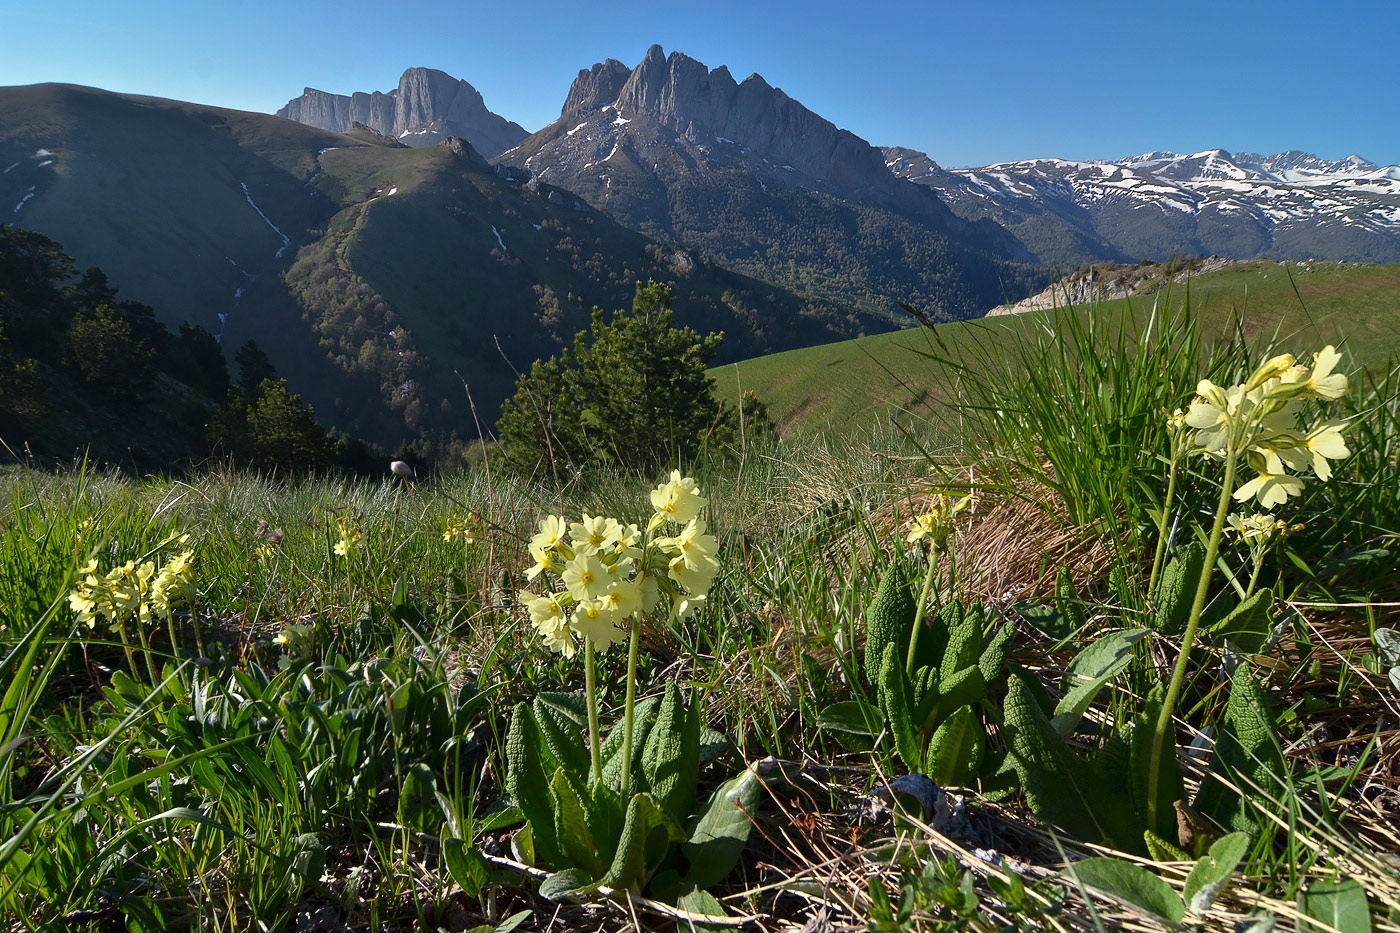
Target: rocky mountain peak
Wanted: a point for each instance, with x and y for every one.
(691, 100)
(427, 106)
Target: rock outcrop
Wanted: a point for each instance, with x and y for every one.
(427, 107)
(696, 102)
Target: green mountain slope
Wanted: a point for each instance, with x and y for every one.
(378, 278)
(849, 384)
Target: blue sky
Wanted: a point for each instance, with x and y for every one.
(969, 83)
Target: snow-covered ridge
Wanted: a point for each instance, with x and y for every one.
(1287, 188)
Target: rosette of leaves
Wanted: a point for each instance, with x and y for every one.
(650, 837)
(933, 715)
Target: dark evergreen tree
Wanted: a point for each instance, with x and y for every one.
(634, 391)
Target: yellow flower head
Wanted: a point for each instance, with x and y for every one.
(623, 599)
(1323, 382)
(350, 535)
(550, 534)
(594, 620)
(585, 577)
(459, 529)
(692, 544)
(547, 613)
(937, 523)
(677, 500)
(595, 533)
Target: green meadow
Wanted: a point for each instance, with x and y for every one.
(1055, 659)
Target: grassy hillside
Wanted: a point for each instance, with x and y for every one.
(152, 190)
(378, 278)
(851, 384)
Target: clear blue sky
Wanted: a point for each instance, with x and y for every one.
(968, 82)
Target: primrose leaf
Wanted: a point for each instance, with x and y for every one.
(1212, 871)
(1132, 884)
(1340, 906)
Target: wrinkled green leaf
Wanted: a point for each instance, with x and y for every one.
(566, 884)
(571, 825)
(310, 857)
(894, 696)
(671, 759)
(1089, 672)
(1340, 906)
(1060, 786)
(1133, 885)
(1212, 871)
(722, 830)
(1247, 625)
(955, 751)
(466, 865)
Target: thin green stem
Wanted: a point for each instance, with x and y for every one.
(627, 709)
(1162, 527)
(919, 612)
(1165, 727)
(1258, 559)
(590, 681)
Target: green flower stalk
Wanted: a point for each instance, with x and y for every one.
(937, 525)
(1257, 422)
(611, 576)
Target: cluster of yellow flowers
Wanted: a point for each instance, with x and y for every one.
(463, 529)
(1258, 419)
(350, 535)
(611, 571)
(936, 524)
(1259, 528)
(296, 638)
(132, 590)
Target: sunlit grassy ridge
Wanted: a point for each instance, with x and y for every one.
(851, 384)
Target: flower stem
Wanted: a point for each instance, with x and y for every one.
(627, 709)
(919, 612)
(1165, 727)
(591, 694)
(1162, 529)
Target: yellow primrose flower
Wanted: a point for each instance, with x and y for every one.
(585, 577)
(459, 528)
(544, 560)
(1271, 489)
(678, 499)
(560, 640)
(683, 605)
(592, 619)
(1272, 369)
(1259, 527)
(83, 601)
(550, 534)
(649, 591)
(937, 523)
(350, 535)
(1323, 382)
(692, 544)
(595, 532)
(547, 613)
(296, 638)
(623, 598)
(696, 579)
(1322, 443)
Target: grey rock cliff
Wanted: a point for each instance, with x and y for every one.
(697, 102)
(427, 107)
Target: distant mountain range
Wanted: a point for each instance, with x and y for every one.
(427, 107)
(386, 247)
(1287, 206)
(762, 184)
(379, 278)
